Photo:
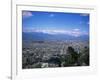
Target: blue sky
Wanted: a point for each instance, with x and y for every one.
(75, 24)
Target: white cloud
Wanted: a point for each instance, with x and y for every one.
(74, 32)
(27, 14)
(76, 29)
(51, 15)
(83, 22)
(84, 14)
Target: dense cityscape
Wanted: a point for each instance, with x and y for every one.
(44, 54)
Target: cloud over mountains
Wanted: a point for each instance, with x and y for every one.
(74, 32)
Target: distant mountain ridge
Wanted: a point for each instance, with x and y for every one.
(44, 36)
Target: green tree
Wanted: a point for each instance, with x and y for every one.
(84, 56)
(71, 57)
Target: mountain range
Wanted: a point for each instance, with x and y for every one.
(53, 37)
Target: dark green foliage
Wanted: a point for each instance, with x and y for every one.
(71, 57)
(56, 60)
(84, 57)
(73, 53)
